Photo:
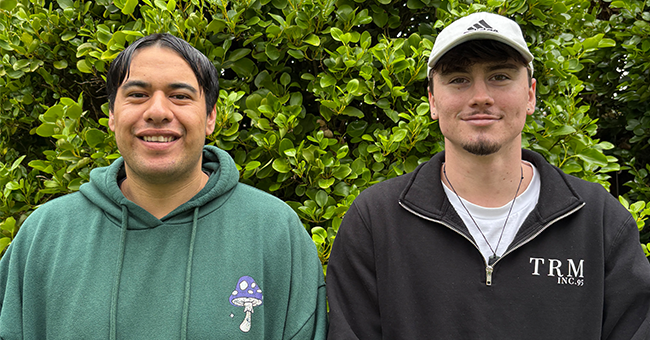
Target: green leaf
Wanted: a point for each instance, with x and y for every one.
(46, 130)
(94, 137)
(319, 235)
(559, 7)
(353, 111)
(17, 162)
(285, 144)
(243, 67)
(342, 152)
(285, 79)
(312, 39)
(171, 5)
(356, 128)
(4, 243)
(593, 156)
(415, 4)
(281, 165)
(65, 4)
(562, 130)
(238, 54)
(252, 165)
(7, 5)
(83, 66)
(325, 183)
(327, 80)
(272, 52)
(352, 86)
(342, 171)
(298, 54)
(60, 64)
(129, 7)
(606, 43)
(74, 111)
(321, 198)
(69, 35)
(336, 33)
(9, 225)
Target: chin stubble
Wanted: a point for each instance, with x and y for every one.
(481, 148)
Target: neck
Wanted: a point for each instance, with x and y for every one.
(488, 181)
(161, 199)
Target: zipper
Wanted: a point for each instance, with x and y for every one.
(488, 274)
(489, 269)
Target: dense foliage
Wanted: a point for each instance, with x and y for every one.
(320, 98)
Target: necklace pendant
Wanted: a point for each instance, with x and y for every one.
(492, 259)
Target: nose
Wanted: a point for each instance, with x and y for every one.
(158, 110)
(482, 98)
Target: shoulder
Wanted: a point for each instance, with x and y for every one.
(598, 203)
(256, 200)
(261, 211)
(388, 190)
(64, 207)
(65, 215)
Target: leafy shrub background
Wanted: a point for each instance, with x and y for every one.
(319, 98)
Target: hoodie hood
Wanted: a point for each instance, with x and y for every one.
(103, 190)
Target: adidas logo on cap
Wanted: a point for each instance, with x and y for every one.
(481, 25)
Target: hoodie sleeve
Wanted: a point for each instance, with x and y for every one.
(352, 283)
(11, 307)
(307, 306)
(626, 312)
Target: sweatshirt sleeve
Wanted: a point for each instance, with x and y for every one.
(11, 308)
(352, 282)
(307, 306)
(626, 312)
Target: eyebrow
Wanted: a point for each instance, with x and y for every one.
(489, 68)
(506, 66)
(143, 84)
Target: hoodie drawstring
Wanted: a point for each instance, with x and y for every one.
(188, 276)
(118, 272)
(118, 275)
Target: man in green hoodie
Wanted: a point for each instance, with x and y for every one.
(164, 243)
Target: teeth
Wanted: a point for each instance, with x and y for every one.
(158, 139)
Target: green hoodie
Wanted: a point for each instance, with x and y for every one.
(231, 263)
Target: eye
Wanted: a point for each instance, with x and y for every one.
(180, 96)
(136, 95)
(500, 77)
(458, 81)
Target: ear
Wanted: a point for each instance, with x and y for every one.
(111, 120)
(209, 123)
(432, 106)
(532, 100)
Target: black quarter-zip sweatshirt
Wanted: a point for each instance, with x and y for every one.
(404, 266)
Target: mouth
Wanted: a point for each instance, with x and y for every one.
(158, 139)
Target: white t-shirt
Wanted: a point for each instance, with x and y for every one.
(491, 220)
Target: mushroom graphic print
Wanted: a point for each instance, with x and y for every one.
(247, 294)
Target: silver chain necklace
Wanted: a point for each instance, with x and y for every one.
(494, 257)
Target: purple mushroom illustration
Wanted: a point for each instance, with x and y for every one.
(247, 294)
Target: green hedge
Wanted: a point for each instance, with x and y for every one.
(320, 99)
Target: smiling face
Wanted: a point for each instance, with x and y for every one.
(159, 118)
(482, 107)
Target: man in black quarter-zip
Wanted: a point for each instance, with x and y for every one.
(486, 240)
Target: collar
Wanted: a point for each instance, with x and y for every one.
(424, 195)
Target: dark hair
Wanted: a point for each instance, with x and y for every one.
(474, 51)
(205, 72)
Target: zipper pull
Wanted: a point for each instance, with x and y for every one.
(488, 275)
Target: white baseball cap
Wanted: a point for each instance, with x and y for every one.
(480, 25)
